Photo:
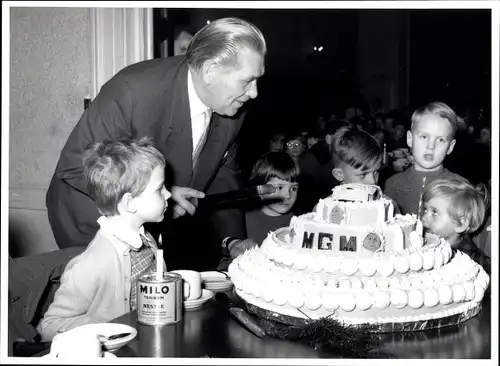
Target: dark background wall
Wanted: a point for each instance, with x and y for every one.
(403, 57)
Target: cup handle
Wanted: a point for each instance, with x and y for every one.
(187, 289)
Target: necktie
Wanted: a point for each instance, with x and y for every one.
(203, 139)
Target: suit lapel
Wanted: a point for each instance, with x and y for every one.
(176, 134)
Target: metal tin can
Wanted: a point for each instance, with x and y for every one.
(159, 302)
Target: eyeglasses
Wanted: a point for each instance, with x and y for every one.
(294, 144)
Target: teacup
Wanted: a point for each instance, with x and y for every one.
(192, 283)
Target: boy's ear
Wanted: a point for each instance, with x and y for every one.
(338, 174)
(127, 203)
(409, 138)
(451, 147)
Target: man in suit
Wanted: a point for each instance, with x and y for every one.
(190, 106)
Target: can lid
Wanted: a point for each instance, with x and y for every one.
(166, 277)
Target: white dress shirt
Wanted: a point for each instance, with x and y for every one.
(199, 122)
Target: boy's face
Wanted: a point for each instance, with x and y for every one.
(437, 220)
(288, 193)
(152, 203)
(348, 174)
(430, 142)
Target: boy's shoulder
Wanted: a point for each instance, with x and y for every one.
(398, 178)
(99, 248)
(449, 174)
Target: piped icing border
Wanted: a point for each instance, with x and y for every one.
(259, 281)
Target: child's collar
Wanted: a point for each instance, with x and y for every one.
(122, 232)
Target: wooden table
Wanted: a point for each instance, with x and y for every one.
(211, 332)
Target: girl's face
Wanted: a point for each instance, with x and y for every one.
(287, 192)
(437, 220)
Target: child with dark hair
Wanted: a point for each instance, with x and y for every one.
(454, 209)
(126, 180)
(357, 158)
(281, 171)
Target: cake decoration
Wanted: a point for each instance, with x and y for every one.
(336, 215)
(372, 242)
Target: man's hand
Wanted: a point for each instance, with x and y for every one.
(238, 246)
(186, 200)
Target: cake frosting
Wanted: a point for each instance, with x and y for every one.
(383, 270)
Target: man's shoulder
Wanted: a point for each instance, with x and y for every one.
(149, 72)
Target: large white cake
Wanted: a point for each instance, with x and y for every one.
(352, 259)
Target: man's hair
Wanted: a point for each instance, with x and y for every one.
(113, 168)
(355, 147)
(276, 164)
(438, 109)
(468, 203)
(220, 41)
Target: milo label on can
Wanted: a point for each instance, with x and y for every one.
(159, 302)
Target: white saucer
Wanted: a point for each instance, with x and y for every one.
(198, 303)
(108, 329)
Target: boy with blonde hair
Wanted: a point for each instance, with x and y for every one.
(430, 138)
(126, 180)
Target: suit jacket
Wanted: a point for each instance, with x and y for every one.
(149, 98)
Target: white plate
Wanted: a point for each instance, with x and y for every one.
(223, 286)
(105, 354)
(198, 303)
(108, 329)
(214, 276)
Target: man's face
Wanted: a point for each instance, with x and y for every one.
(430, 142)
(230, 87)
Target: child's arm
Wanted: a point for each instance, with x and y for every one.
(71, 302)
(238, 247)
